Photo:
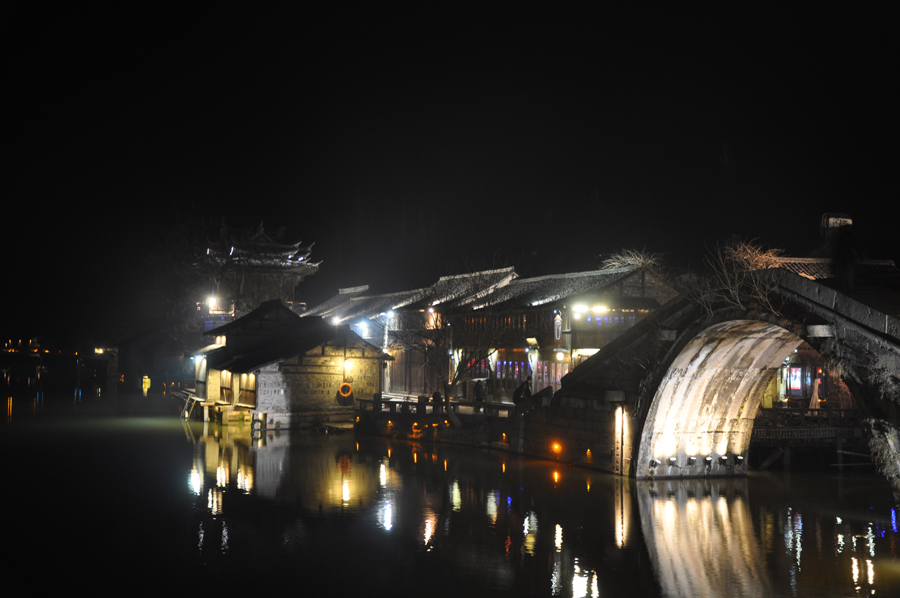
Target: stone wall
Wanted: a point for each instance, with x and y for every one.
(272, 394)
(585, 431)
(311, 382)
(213, 385)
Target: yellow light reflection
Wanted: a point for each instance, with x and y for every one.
(214, 501)
(245, 479)
(579, 584)
(580, 581)
(491, 507)
(528, 545)
(429, 530)
(387, 515)
(195, 481)
(622, 499)
(714, 562)
(530, 532)
(222, 476)
(456, 497)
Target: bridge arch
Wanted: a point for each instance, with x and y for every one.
(700, 420)
(688, 381)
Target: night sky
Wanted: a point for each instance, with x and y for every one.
(412, 144)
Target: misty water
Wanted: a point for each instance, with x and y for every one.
(121, 494)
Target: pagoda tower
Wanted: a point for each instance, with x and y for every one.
(250, 267)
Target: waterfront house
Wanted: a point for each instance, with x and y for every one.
(496, 327)
(289, 369)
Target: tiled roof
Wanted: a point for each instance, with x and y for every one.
(359, 305)
(342, 298)
(270, 316)
(462, 289)
(261, 252)
(450, 291)
(527, 292)
(315, 334)
(475, 290)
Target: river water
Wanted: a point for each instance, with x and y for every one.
(120, 494)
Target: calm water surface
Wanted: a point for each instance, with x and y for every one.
(122, 494)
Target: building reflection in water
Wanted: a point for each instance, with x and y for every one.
(701, 539)
(512, 524)
(284, 468)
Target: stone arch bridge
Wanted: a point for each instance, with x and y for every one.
(676, 396)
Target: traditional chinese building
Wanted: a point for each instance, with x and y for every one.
(496, 327)
(249, 268)
(288, 368)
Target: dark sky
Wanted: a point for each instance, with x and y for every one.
(408, 144)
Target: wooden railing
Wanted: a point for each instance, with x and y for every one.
(424, 406)
(805, 433)
(806, 418)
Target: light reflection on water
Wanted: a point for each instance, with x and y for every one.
(374, 515)
(701, 539)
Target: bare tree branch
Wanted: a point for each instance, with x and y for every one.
(732, 277)
(633, 258)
